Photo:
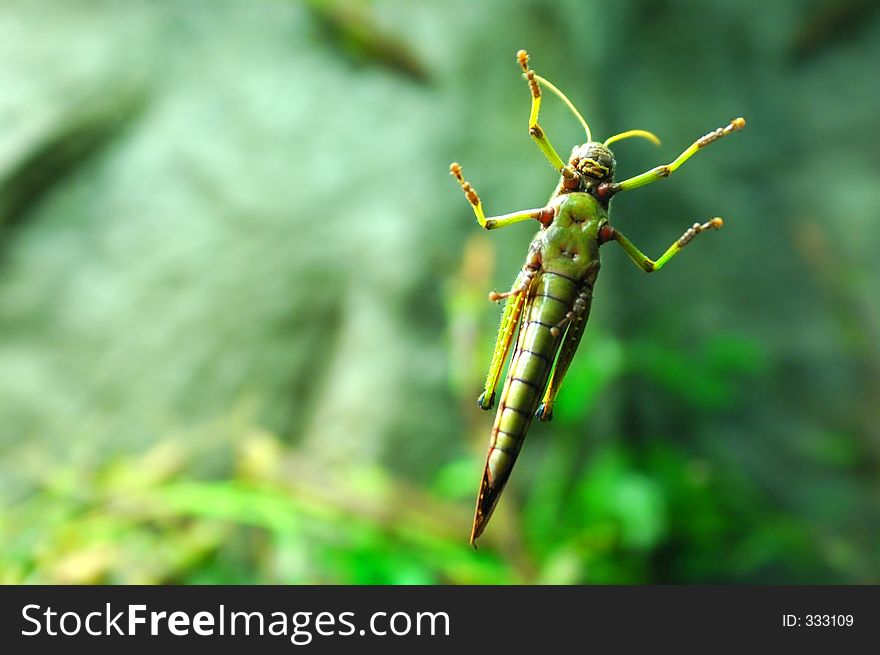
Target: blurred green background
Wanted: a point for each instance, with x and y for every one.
(243, 316)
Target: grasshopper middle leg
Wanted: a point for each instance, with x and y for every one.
(649, 265)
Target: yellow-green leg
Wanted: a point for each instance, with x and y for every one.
(577, 321)
(513, 308)
(535, 130)
(649, 265)
(661, 172)
(542, 214)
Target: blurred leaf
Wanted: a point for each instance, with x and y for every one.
(599, 361)
(841, 451)
(455, 479)
(350, 26)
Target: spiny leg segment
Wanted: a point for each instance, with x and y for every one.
(649, 265)
(660, 172)
(577, 321)
(513, 308)
(542, 214)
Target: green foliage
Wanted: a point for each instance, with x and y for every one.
(148, 519)
(708, 378)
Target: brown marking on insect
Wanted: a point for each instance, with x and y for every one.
(649, 266)
(706, 139)
(568, 318)
(536, 132)
(471, 194)
(691, 232)
(530, 269)
(663, 171)
(606, 233)
(734, 125)
(533, 263)
(469, 191)
(490, 224)
(572, 183)
(546, 215)
(604, 191)
(533, 84)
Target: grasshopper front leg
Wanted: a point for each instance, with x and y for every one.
(661, 172)
(649, 265)
(542, 214)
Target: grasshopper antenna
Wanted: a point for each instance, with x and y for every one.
(650, 136)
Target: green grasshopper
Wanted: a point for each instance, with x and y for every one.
(549, 303)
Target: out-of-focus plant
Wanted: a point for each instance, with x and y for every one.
(273, 517)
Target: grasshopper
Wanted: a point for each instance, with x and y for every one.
(549, 304)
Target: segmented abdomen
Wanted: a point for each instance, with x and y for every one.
(530, 367)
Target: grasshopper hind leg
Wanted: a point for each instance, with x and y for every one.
(506, 331)
(510, 318)
(577, 321)
(545, 412)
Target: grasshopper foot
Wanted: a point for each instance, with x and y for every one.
(484, 403)
(544, 413)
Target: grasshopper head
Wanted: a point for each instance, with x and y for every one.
(594, 162)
